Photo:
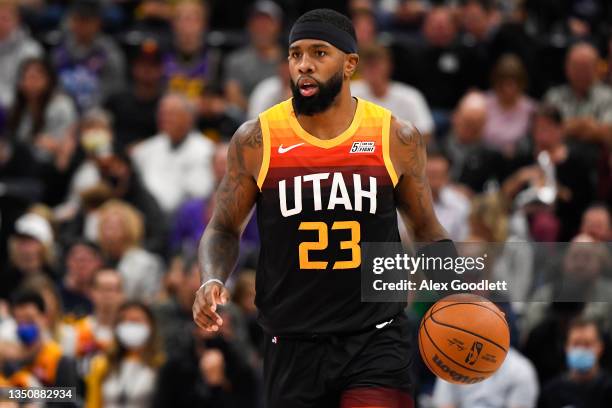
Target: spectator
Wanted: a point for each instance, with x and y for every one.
(439, 67)
(366, 28)
(584, 384)
(210, 373)
(581, 280)
(515, 36)
(248, 66)
(270, 91)
(120, 236)
(152, 19)
(406, 102)
(479, 22)
(217, 118)
(478, 19)
(596, 223)
(451, 206)
(42, 363)
(104, 175)
(512, 259)
(514, 385)
(31, 252)
(573, 176)
(176, 163)
(488, 220)
(509, 110)
(544, 344)
(473, 164)
(408, 15)
(48, 290)
(89, 65)
(584, 102)
(126, 375)
(193, 216)
(15, 47)
(133, 110)
(123, 181)
(95, 139)
(190, 66)
(93, 334)
(83, 260)
(41, 116)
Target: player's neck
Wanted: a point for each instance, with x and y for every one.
(335, 120)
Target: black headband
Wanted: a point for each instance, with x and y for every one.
(326, 32)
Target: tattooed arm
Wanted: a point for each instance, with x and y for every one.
(234, 200)
(412, 193)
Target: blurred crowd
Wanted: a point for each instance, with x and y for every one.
(114, 122)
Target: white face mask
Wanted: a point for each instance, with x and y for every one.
(132, 334)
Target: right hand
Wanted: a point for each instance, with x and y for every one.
(205, 306)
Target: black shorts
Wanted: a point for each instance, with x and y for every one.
(318, 371)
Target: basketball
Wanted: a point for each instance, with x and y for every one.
(464, 338)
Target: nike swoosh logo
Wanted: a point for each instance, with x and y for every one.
(383, 324)
(282, 149)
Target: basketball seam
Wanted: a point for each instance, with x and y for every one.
(466, 331)
(470, 303)
(475, 304)
(451, 359)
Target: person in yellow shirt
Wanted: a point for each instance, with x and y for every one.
(127, 373)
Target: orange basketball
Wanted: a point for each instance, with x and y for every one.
(464, 338)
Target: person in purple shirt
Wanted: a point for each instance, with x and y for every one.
(190, 65)
(192, 217)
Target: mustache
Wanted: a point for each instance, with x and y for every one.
(303, 77)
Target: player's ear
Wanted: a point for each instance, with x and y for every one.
(351, 61)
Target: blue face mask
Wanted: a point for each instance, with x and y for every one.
(580, 359)
(28, 333)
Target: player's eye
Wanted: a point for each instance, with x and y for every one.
(294, 54)
(321, 53)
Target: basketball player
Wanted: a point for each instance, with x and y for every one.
(326, 171)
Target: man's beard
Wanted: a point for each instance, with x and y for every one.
(320, 101)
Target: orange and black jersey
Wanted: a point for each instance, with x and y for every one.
(319, 200)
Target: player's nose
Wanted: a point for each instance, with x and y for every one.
(305, 65)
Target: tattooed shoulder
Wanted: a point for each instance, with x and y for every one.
(244, 154)
(409, 151)
(249, 134)
(408, 134)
